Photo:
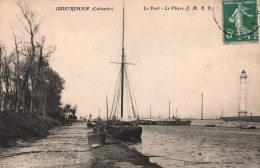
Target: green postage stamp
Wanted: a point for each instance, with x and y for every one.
(240, 21)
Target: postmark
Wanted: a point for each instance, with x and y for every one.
(240, 21)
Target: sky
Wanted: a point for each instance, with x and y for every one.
(177, 56)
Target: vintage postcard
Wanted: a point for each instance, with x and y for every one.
(129, 83)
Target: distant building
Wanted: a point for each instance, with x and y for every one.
(242, 111)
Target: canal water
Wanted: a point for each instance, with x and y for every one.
(67, 146)
(200, 146)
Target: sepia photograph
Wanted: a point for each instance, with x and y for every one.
(129, 84)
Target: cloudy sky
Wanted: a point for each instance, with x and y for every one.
(177, 55)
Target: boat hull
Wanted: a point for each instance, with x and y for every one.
(125, 133)
(178, 122)
(249, 127)
(91, 124)
(210, 125)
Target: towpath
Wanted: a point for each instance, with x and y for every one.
(67, 146)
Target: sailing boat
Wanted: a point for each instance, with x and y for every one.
(124, 130)
(244, 124)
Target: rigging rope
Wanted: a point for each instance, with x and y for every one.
(131, 86)
(130, 91)
(118, 96)
(115, 94)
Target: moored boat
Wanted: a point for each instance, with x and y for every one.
(91, 124)
(248, 127)
(244, 124)
(210, 125)
(163, 122)
(124, 130)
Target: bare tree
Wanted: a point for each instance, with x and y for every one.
(16, 62)
(26, 80)
(31, 26)
(1, 51)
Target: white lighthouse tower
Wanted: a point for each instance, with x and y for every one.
(242, 112)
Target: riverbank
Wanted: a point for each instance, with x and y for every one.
(18, 126)
(66, 146)
(115, 153)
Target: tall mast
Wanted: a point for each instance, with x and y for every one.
(201, 106)
(169, 109)
(150, 111)
(107, 107)
(123, 66)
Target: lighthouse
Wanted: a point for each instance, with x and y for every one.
(242, 112)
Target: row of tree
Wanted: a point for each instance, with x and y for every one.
(71, 110)
(27, 83)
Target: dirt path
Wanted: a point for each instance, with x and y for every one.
(67, 146)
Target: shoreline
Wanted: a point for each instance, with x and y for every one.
(115, 153)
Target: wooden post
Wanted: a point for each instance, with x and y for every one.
(201, 106)
(150, 112)
(169, 109)
(107, 107)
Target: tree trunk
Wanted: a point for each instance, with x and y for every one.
(0, 78)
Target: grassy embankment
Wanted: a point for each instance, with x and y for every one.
(17, 126)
